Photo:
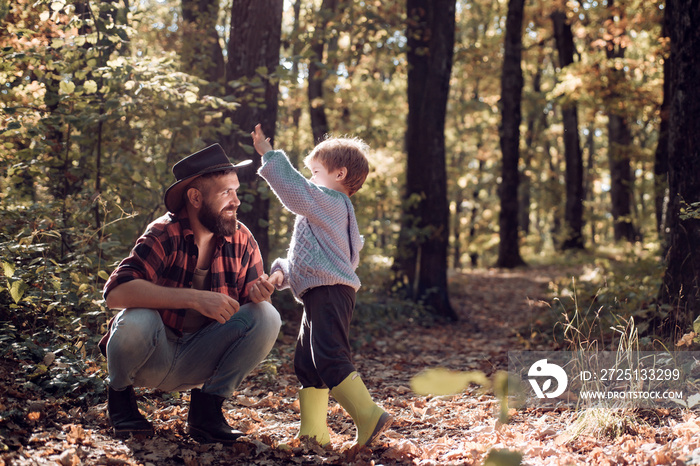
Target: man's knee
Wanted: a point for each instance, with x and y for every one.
(264, 318)
(269, 316)
(135, 327)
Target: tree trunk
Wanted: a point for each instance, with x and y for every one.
(201, 54)
(457, 230)
(619, 135)
(619, 139)
(317, 71)
(573, 174)
(680, 290)
(254, 45)
(421, 260)
(294, 151)
(525, 184)
(661, 156)
(590, 178)
(524, 196)
(511, 96)
(473, 253)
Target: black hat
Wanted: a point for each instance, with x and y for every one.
(208, 160)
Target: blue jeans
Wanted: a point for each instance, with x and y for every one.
(143, 352)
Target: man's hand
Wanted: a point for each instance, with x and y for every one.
(261, 290)
(260, 142)
(217, 306)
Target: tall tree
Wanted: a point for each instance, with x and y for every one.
(253, 57)
(295, 107)
(619, 133)
(421, 260)
(317, 69)
(661, 154)
(201, 54)
(573, 174)
(536, 121)
(681, 282)
(511, 97)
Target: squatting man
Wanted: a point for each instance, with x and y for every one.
(195, 303)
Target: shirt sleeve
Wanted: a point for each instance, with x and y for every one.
(251, 265)
(294, 191)
(283, 266)
(145, 262)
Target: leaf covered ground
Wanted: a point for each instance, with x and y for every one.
(500, 311)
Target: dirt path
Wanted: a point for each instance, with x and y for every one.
(497, 309)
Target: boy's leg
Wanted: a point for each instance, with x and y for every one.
(370, 419)
(313, 410)
(322, 342)
(328, 310)
(313, 396)
(304, 366)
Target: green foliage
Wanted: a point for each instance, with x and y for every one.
(57, 370)
(375, 312)
(59, 300)
(612, 289)
(90, 132)
(95, 109)
(690, 211)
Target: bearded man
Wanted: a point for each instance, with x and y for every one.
(195, 311)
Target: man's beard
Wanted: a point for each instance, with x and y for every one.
(218, 224)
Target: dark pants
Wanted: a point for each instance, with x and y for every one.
(322, 357)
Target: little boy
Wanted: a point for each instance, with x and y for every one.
(320, 270)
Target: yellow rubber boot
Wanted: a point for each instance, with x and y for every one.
(370, 419)
(313, 407)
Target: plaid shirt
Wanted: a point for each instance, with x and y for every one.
(167, 255)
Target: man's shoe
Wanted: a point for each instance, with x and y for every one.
(124, 414)
(206, 422)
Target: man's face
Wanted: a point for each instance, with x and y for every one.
(220, 204)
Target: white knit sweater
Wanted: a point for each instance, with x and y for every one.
(326, 242)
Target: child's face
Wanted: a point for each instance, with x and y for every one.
(322, 177)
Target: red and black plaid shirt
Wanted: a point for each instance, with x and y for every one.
(167, 255)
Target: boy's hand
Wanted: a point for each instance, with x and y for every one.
(260, 142)
(277, 278)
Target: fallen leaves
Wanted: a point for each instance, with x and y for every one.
(687, 339)
(453, 422)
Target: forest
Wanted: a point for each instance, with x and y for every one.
(534, 185)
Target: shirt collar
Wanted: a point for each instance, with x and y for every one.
(183, 217)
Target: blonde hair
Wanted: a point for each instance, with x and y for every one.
(351, 153)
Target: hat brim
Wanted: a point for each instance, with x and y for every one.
(173, 197)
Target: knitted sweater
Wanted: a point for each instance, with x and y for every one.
(326, 242)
